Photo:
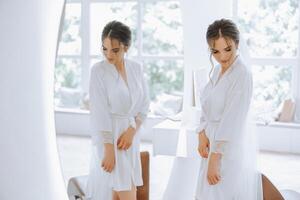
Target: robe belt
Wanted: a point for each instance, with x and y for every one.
(213, 122)
(130, 118)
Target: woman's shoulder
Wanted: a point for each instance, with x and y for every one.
(241, 70)
(100, 68)
(134, 65)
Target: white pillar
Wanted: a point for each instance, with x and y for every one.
(29, 163)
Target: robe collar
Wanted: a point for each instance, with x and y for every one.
(130, 76)
(227, 74)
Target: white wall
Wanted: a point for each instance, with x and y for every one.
(30, 168)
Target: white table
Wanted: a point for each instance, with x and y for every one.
(175, 139)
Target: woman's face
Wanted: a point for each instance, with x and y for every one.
(113, 50)
(224, 51)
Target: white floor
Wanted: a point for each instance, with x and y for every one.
(282, 169)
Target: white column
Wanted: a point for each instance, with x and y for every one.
(30, 167)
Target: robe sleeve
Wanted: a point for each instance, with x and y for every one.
(202, 123)
(101, 122)
(142, 114)
(235, 114)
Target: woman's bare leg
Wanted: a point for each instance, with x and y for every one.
(128, 195)
(115, 196)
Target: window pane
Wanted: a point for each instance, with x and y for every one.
(162, 28)
(102, 13)
(67, 83)
(270, 28)
(165, 80)
(70, 42)
(272, 85)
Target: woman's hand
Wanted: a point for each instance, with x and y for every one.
(108, 162)
(203, 145)
(213, 172)
(125, 140)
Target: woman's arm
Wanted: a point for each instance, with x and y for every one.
(100, 118)
(125, 140)
(203, 144)
(234, 117)
(213, 171)
(203, 141)
(101, 121)
(229, 131)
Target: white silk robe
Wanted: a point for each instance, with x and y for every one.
(114, 106)
(225, 102)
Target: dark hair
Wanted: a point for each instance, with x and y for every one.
(117, 30)
(222, 28)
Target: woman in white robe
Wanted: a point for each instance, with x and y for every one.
(118, 105)
(227, 169)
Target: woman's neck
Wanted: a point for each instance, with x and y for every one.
(225, 68)
(120, 65)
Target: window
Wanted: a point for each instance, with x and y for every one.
(271, 31)
(157, 44)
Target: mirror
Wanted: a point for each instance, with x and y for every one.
(30, 168)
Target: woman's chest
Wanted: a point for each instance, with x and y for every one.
(121, 92)
(214, 97)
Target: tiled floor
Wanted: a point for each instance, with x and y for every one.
(282, 169)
